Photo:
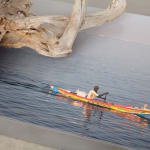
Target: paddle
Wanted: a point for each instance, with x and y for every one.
(103, 94)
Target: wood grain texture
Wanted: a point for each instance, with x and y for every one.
(51, 36)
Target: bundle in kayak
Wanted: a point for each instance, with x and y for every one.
(100, 102)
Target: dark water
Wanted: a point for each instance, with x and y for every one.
(122, 68)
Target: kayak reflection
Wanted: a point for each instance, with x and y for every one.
(88, 110)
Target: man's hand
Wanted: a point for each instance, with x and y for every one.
(104, 94)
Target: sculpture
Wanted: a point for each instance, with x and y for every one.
(51, 36)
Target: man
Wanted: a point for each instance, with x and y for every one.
(93, 93)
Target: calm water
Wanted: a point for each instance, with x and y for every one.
(122, 68)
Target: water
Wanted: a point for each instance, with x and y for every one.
(120, 67)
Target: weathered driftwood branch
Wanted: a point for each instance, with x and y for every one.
(49, 35)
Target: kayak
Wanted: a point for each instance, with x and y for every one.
(100, 102)
(145, 116)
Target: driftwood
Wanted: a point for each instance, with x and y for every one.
(51, 36)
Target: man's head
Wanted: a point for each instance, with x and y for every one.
(96, 88)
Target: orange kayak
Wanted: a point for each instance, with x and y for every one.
(100, 102)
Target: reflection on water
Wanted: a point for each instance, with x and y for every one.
(89, 111)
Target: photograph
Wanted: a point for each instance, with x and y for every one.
(74, 75)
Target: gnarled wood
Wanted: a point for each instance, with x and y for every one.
(49, 35)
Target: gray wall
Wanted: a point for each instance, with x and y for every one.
(134, 6)
(16, 135)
